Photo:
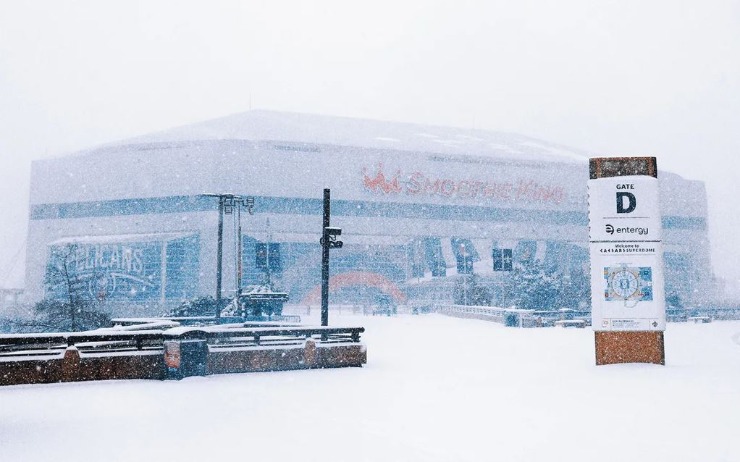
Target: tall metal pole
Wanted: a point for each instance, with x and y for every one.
(219, 254)
(268, 257)
(239, 249)
(325, 262)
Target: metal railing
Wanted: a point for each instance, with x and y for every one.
(545, 318)
(513, 317)
(106, 340)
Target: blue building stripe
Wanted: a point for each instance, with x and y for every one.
(302, 206)
(673, 222)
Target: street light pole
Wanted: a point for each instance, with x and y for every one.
(328, 241)
(226, 204)
(219, 254)
(268, 256)
(239, 250)
(325, 261)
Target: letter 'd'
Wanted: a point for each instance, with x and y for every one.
(631, 202)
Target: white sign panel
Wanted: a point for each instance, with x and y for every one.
(627, 291)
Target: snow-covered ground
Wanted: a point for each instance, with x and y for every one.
(434, 389)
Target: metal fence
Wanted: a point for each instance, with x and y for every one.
(140, 337)
(513, 317)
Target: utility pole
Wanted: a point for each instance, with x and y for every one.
(325, 260)
(328, 241)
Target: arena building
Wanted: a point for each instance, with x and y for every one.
(417, 204)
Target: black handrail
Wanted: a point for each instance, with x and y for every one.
(10, 342)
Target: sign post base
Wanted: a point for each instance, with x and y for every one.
(618, 347)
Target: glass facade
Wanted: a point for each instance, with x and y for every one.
(133, 271)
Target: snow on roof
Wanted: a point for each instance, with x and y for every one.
(120, 239)
(312, 129)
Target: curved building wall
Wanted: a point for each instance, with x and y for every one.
(402, 213)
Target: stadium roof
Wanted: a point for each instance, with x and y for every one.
(311, 129)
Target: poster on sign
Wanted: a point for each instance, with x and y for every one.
(625, 244)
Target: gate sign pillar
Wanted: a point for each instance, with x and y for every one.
(627, 290)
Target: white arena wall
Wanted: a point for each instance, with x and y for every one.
(140, 226)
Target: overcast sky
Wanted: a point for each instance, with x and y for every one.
(658, 78)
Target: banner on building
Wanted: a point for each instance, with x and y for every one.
(123, 268)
